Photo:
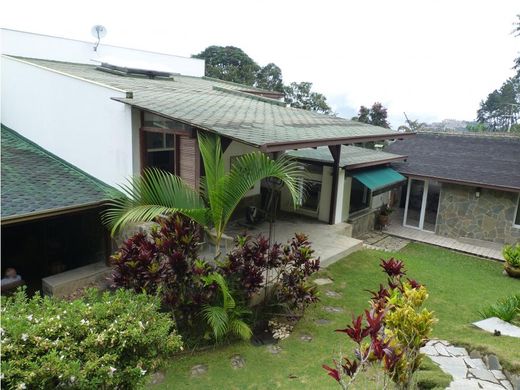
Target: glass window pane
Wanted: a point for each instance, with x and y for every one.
(414, 203)
(311, 200)
(170, 139)
(359, 196)
(517, 218)
(164, 160)
(432, 205)
(154, 140)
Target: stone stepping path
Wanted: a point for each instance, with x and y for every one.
(468, 372)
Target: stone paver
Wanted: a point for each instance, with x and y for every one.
(332, 294)
(306, 337)
(323, 281)
(237, 361)
(382, 241)
(199, 369)
(333, 309)
(494, 323)
(274, 349)
(322, 321)
(468, 373)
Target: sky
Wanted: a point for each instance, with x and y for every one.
(432, 59)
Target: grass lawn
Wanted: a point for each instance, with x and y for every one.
(459, 286)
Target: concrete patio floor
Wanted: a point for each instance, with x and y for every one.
(331, 242)
(479, 248)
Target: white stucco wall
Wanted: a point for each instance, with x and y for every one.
(326, 188)
(238, 149)
(136, 144)
(379, 200)
(25, 44)
(72, 118)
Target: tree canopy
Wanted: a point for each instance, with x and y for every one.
(230, 63)
(300, 95)
(376, 115)
(500, 111)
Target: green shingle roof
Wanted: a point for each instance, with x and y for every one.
(34, 181)
(220, 107)
(351, 156)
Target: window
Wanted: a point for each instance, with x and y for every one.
(359, 196)
(159, 150)
(517, 214)
(311, 199)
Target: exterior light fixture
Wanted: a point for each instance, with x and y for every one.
(477, 192)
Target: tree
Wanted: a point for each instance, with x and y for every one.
(412, 125)
(229, 63)
(270, 77)
(158, 192)
(516, 32)
(501, 109)
(299, 95)
(233, 64)
(377, 115)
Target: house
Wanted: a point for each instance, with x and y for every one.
(111, 116)
(365, 181)
(50, 212)
(461, 185)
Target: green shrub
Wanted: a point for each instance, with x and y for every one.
(109, 340)
(507, 309)
(512, 254)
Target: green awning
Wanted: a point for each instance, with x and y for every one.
(379, 179)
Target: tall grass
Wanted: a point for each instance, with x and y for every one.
(507, 309)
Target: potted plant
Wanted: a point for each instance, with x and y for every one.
(512, 256)
(384, 215)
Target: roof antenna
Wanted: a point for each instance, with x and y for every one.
(98, 32)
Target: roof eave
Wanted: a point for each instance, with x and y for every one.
(287, 145)
(461, 182)
(374, 163)
(36, 215)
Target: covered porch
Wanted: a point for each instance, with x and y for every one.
(331, 242)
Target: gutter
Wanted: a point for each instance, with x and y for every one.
(10, 220)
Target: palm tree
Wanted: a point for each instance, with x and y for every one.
(157, 192)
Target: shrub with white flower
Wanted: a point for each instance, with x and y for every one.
(109, 340)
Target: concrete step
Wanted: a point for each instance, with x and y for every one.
(330, 256)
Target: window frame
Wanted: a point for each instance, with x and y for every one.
(517, 213)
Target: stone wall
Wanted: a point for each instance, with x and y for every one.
(489, 217)
(363, 223)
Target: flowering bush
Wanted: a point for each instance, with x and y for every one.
(109, 340)
(395, 326)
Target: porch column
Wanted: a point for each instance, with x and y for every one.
(335, 151)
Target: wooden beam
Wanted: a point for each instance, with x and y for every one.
(335, 151)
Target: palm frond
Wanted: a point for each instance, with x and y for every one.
(153, 193)
(253, 167)
(213, 182)
(240, 329)
(228, 302)
(217, 318)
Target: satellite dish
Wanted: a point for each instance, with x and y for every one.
(98, 32)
